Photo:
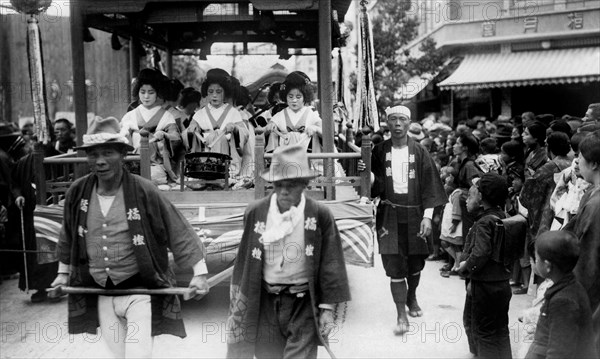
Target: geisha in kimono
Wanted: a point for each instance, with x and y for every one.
(153, 117)
(213, 126)
(409, 187)
(298, 123)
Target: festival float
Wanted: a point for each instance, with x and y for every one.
(172, 26)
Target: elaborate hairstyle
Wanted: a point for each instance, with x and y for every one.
(189, 96)
(273, 90)
(154, 78)
(300, 81)
(174, 88)
(243, 97)
(219, 77)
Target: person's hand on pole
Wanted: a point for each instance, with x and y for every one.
(326, 322)
(20, 202)
(62, 279)
(200, 283)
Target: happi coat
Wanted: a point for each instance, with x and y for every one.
(425, 190)
(155, 225)
(323, 248)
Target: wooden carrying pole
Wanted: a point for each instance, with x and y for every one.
(187, 293)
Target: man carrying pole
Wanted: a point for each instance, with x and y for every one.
(289, 272)
(116, 231)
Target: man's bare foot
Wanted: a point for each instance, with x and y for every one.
(414, 310)
(401, 328)
(402, 324)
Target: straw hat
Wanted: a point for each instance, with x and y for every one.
(104, 131)
(415, 131)
(289, 162)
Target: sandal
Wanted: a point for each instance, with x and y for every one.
(446, 267)
(522, 290)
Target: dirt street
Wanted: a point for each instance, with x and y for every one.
(40, 331)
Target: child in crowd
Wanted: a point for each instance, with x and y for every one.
(447, 174)
(451, 235)
(512, 159)
(564, 329)
(488, 290)
(489, 160)
(513, 169)
(569, 190)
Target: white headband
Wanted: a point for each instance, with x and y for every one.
(402, 110)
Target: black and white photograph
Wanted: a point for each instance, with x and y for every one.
(300, 179)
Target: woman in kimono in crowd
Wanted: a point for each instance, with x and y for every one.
(298, 123)
(151, 87)
(213, 126)
(586, 226)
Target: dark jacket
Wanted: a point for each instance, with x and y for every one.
(564, 329)
(479, 246)
(425, 190)
(154, 220)
(467, 171)
(328, 283)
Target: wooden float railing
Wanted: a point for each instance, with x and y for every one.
(54, 175)
(328, 182)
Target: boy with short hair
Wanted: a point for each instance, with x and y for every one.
(488, 290)
(564, 329)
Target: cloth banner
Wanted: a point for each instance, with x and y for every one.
(42, 124)
(221, 235)
(366, 110)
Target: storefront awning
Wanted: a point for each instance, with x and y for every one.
(413, 86)
(529, 68)
(417, 84)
